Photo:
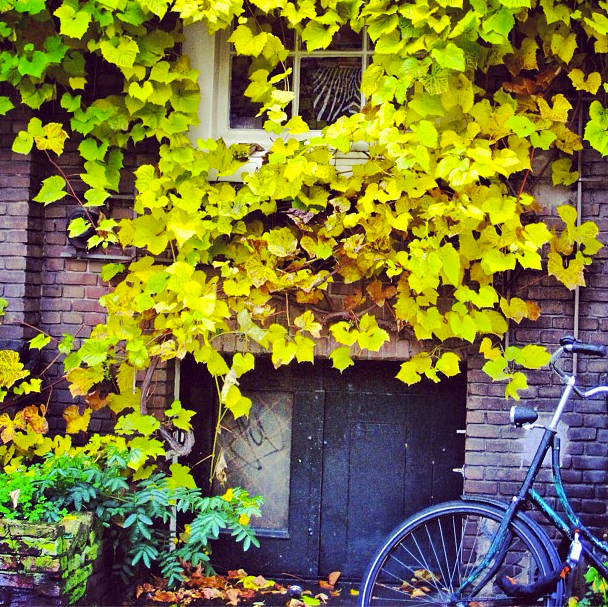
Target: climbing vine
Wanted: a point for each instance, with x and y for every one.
(467, 103)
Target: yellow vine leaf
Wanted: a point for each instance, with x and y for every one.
(76, 422)
(590, 83)
(11, 368)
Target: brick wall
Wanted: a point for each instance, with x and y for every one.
(20, 237)
(50, 281)
(497, 454)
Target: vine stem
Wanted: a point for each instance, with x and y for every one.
(72, 191)
(218, 427)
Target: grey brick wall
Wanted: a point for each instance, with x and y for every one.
(497, 454)
(20, 237)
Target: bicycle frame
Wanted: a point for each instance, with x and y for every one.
(571, 525)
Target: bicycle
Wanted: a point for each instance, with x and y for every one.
(482, 551)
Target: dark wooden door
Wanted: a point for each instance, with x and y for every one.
(340, 458)
(389, 450)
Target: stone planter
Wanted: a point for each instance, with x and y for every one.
(53, 564)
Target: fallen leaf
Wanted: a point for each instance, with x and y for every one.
(236, 574)
(255, 582)
(417, 592)
(144, 588)
(326, 585)
(164, 596)
(197, 578)
(334, 577)
(354, 592)
(232, 596)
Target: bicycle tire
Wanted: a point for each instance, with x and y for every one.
(425, 558)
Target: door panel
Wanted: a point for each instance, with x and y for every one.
(362, 452)
(289, 530)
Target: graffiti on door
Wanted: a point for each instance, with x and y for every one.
(257, 450)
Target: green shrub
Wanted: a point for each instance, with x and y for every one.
(135, 512)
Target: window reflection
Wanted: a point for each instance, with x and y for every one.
(257, 449)
(326, 83)
(330, 88)
(243, 111)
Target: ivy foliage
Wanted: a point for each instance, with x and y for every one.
(461, 97)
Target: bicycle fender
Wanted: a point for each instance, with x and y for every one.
(534, 527)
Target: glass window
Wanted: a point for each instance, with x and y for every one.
(257, 449)
(326, 83)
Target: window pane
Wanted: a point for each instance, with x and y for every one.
(242, 110)
(343, 40)
(329, 89)
(258, 454)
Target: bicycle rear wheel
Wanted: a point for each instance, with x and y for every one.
(426, 558)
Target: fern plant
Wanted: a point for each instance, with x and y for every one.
(136, 513)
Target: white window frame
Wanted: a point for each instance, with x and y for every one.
(210, 55)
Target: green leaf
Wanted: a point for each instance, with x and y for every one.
(181, 476)
(246, 42)
(236, 403)
(410, 371)
(93, 352)
(23, 143)
(66, 344)
(90, 150)
(78, 226)
(110, 270)
(73, 23)
(216, 365)
(497, 368)
(521, 125)
(451, 263)
(448, 364)
(518, 382)
(427, 133)
(316, 36)
(561, 172)
(451, 57)
(341, 359)
(134, 423)
(120, 51)
(6, 105)
(343, 334)
(371, 336)
(39, 341)
(281, 242)
(53, 188)
(242, 363)
(180, 417)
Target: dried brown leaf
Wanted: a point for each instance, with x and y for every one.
(334, 576)
(164, 596)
